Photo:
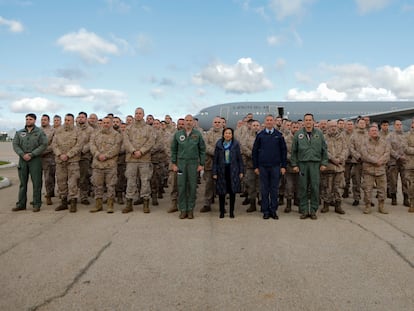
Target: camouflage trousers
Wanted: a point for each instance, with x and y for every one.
(331, 182)
(104, 177)
(291, 185)
(172, 181)
(84, 178)
(67, 176)
(49, 173)
(157, 178)
(393, 171)
(356, 176)
(410, 183)
(209, 187)
(252, 182)
(135, 173)
(369, 181)
(121, 184)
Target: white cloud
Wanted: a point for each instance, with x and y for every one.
(323, 92)
(287, 8)
(88, 45)
(366, 6)
(243, 77)
(12, 25)
(274, 40)
(118, 6)
(357, 82)
(36, 104)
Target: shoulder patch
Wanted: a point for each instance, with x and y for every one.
(301, 136)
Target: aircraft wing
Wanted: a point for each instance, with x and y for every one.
(400, 114)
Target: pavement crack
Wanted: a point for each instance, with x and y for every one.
(391, 245)
(395, 227)
(75, 280)
(31, 237)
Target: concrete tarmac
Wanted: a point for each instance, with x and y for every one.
(82, 261)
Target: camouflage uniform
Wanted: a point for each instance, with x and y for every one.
(396, 163)
(105, 142)
(356, 144)
(291, 177)
(121, 183)
(67, 141)
(48, 163)
(346, 135)
(138, 137)
(158, 158)
(332, 179)
(85, 132)
(409, 165)
(375, 155)
(210, 138)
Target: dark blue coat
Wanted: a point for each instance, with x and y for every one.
(236, 167)
(269, 150)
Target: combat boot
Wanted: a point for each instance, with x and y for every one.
(154, 200)
(406, 200)
(246, 201)
(367, 209)
(110, 206)
(252, 207)
(346, 193)
(120, 198)
(98, 206)
(411, 209)
(128, 208)
(190, 214)
(73, 205)
(288, 207)
(381, 207)
(393, 199)
(281, 200)
(338, 208)
(146, 208)
(63, 205)
(325, 207)
(48, 200)
(173, 207)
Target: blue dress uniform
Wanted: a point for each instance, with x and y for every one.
(33, 142)
(269, 156)
(187, 152)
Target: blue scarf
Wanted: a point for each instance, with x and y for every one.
(227, 146)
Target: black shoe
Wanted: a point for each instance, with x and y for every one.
(266, 216)
(304, 216)
(355, 203)
(221, 215)
(18, 208)
(246, 201)
(274, 215)
(313, 216)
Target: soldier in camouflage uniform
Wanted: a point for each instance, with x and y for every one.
(210, 138)
(396, 163)
(375, 154)
(409, 164)
(121, 183)
(138, 141)
(291, 176)
(48, 160)
(85, 131)
(105, 145)
(333, 177)
(158, 158)
(67, 146)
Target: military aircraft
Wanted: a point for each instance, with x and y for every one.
(322, 110)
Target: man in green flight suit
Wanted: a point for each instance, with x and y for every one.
(29, 143)
(309, 157)
(188, 153)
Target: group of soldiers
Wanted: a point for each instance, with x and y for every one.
(113, 160)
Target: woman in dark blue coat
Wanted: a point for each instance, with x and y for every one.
(228, 169)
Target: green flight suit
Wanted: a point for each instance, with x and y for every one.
(34, 143)
(187, 152)
(309, 153)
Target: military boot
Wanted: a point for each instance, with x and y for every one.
(288, 207)
(190, 214)
(246, 201)
(411, 209)
(110, 206)
(154, 200)
(381, 207)
(338, 208)
(281, 199)
(120, 198)
(252, 207)
(98, 206)
(367, 209)
(48, 200)
(325, 207)
(173, 207)
(146, 208)
(406, 200)
(128, 208)
(393, 199)
(346, 193)
(73, 205)
(63, 205)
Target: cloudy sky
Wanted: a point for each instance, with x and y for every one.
(179, 56)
